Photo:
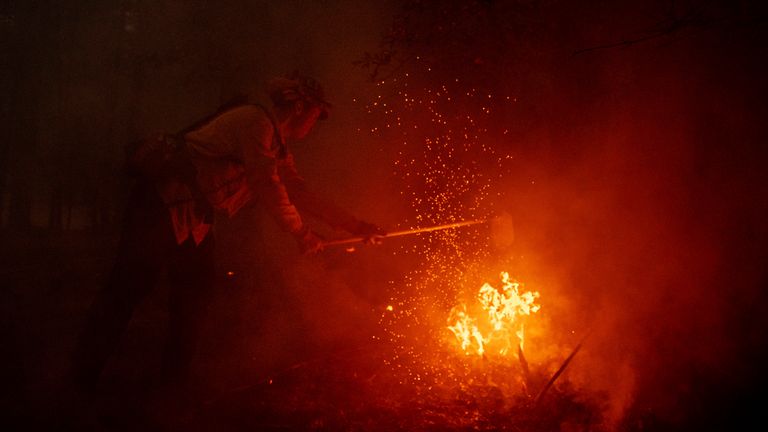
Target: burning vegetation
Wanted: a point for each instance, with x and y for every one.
(500, 319)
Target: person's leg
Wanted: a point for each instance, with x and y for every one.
(140, 258)
(192, 275)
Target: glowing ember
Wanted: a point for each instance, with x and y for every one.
(499, 318)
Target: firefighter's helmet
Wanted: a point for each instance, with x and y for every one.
(286, 90)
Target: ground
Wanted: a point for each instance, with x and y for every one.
(50, 280)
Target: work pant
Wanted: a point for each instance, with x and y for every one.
(147, 248)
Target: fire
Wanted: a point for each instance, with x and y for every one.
(466, 331)
(499, 320)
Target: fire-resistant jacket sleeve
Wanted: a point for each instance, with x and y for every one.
(310, 203)
(260, 160)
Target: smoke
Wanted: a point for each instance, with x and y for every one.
(642, 208)
(634, 183)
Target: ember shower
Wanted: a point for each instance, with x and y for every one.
(447, 165)
(450, 118)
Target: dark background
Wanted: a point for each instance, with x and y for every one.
(637, 180)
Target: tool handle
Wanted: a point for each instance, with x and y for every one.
(358, 239)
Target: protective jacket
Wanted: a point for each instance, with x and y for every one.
(240, 155)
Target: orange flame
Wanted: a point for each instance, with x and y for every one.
(503, 308)
(466, 331)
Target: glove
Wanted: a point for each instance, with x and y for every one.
(309, 242)
(371, 234)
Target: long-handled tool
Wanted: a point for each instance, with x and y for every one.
(350, 240)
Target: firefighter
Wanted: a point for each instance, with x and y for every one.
(218, 165)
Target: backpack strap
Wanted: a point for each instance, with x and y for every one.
(235, 102)
(282, 147)
(239, 101)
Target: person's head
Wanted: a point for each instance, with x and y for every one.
(299, 102)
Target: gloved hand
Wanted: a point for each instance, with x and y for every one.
(309, 242)
(371, 234)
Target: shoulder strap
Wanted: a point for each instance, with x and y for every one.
(282, 151)
(235, 102)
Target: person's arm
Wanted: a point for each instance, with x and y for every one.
(266, 185)
(319, 207)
